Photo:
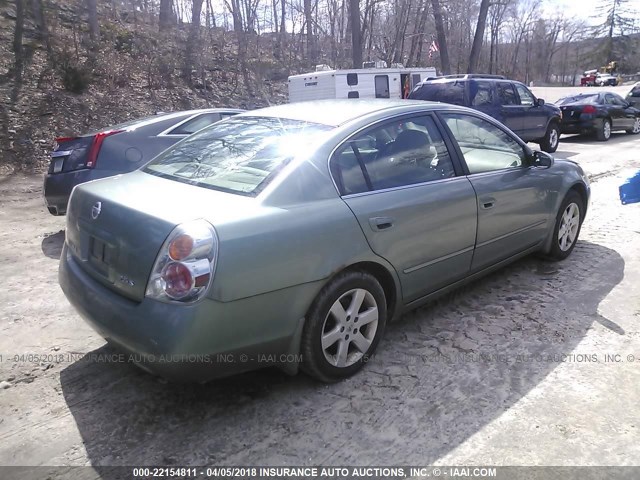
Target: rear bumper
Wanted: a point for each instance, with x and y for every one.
(580, 126)
(190, 343)
(58, 186)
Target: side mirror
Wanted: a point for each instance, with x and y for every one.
(540, 102)
(542, 159)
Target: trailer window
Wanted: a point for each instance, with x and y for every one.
(352, 79)
(353, 94)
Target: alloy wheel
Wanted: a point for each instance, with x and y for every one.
(606, 129)
(569, 226)
(553, 138)
(350, 328)
(636, 126)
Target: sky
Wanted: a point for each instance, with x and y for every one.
(581, 9)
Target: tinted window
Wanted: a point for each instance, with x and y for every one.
(506, 94)
(635, 92)
(195, 124)
(579, 99)
(353, 94)
(447, 92)
(240, 155)
(481, 93)
(526, 97)
(352, 79)
(485, 146)
(392, 155)
(618, 100)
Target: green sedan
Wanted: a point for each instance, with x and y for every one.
(291, 235)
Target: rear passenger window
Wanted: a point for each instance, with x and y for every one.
(481, 93)
(485, 147)
(506, 94)
(394, 154)
(446, 92)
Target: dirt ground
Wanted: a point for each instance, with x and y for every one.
(538, 364)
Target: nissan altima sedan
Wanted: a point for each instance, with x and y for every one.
(292, 235)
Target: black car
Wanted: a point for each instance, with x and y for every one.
(118, 149)
(598, 114)
(509, 102)
(633, 97)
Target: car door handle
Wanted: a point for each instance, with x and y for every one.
(381, 223)
(487, 203)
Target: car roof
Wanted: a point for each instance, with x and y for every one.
(337, 112)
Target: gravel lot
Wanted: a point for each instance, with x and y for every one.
(534, 338)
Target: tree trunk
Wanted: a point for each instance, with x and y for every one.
(356, 35)
(311, 54)
(196, 13)
(41, 22)
(18, 50)
(479, 37)
(166, 12)
(445, 66)
(94, 26)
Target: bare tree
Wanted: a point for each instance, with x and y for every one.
(166, 14)
(18, 50)
(356, 34)
(445, 66)
(94, 27)
(478, 37)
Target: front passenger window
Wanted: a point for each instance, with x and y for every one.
(485, 146)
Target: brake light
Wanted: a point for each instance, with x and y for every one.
(185, 264)
(65, 139)
(588, 109)
(92, 156)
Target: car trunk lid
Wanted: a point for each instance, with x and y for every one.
(116, 226)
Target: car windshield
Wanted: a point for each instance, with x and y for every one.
(241, 155)
(579, 99)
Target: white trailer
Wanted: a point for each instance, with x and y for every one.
(356, 83)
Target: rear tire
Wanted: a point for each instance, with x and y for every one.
(567, 228)
(343, 326)
(636, 127)
(551, 139)
(604, 132)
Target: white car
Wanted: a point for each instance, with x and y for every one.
(603, 79)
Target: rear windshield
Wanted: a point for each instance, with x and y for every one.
(579, 99)
(240, 155)
(446, 92)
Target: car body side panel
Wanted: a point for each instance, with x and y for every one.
(514, 207)
(431, 234)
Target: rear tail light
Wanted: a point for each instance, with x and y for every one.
(588, 109)
(185, 265)
(94, 150)
(60, 140)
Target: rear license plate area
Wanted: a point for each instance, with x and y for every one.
(99, 255)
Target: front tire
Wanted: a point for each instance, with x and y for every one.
(567, 228)
(343, 326)
(604, 132)
(551, 139)
(636, 127)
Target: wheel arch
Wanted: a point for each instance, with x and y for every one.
(388, 282)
